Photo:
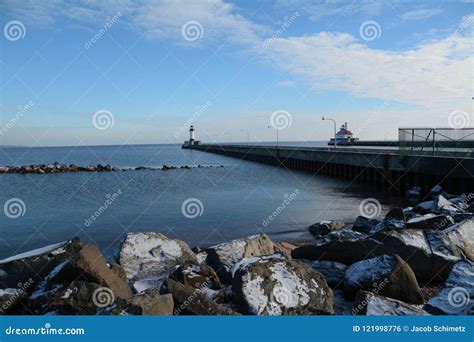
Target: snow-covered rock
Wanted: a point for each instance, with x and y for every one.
(225, 256)
(276, 286)
(457, 295)
(364, 225)
(387, 275)
(344, 246)
(462, 235)
(36, 264)
(370, 304)
(325, 227)
(430, 221)
(148, 258)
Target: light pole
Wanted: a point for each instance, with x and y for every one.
(335, 129)
(248, 135)
(276, 129)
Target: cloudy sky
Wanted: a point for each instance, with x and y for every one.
(114, 72)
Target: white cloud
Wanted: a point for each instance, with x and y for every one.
(421, 14)
(431, 75)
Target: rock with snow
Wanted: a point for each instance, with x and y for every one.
(191, 301)
(325, 227)
(148, 258)
(197, 276)
(387, 275)
(370, 304)
(462, 236)
(284, 248)
(430, 221)
(333, 272)
(364, 225)
(89, 265)
(225, 256)
(457, 295)
(36, 264)
(428, 253)
(277, 286)
(344, 246)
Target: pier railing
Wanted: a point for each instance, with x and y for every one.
(436, 141)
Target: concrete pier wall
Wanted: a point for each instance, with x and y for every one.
(385, 168)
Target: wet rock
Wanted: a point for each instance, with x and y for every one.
(423, 207)
(167, 167)
(225, 256)
(276, 286)
(430, 221)
(370, 304)
(387, 275)
(344, 246)
(36, 264)
(89, 265)
(364, 225)
(333, 272)
(148, 258)
(191, 301)
(325, 227)
(457, 296)
(153, 303)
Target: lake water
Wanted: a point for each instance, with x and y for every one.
(236, 199)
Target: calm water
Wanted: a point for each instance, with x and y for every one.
(236, 199)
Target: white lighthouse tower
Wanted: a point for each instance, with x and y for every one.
(192, 141)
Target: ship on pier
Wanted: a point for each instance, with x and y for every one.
(343, 137)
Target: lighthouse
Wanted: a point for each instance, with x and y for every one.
(192, 141)
(191, 135)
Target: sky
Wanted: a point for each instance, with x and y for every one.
(92, 72)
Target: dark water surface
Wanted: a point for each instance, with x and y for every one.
(236, 198)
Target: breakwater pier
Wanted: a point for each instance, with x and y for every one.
(395, 170)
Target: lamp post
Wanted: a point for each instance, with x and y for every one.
(335, 129)
(248, 135)
(276, 129)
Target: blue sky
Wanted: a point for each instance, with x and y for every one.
(378, 65)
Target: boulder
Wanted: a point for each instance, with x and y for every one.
(387, 275)
(225, 256)
(430, 221)
(191, 301)
(462, 236)
(196, 276)
(423, 207)
(152, 303)
(370, 304)
(36, 264)
(89, 265)
(429, 253)
(284, 248)
(148, 258)
(457, 295)
(344, 246)
(364, 225)
(325, 227)
(276, 286)
(333, 272)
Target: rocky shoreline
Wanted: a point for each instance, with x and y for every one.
(415, 261)
(61, 168)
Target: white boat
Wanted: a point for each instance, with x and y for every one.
(343, 137)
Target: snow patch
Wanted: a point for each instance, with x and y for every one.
(54, 249)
